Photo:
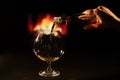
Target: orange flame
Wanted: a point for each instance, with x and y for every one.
(45, 25)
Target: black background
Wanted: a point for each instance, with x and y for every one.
(96, 49)
(14, 30)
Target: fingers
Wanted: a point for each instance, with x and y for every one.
(100, 7)
(108, 12)
(85, 17)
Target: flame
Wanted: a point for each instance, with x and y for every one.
(45, 25)
(30, 25)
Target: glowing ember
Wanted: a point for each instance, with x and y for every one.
(45, 25)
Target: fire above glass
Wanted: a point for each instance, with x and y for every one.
(48, 44)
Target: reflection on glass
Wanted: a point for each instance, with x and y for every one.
(48, 48)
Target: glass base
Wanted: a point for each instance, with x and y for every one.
(51, 74)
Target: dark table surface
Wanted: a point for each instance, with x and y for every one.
(25, 66)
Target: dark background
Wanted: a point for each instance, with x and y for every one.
(90, 51)
(16, 37)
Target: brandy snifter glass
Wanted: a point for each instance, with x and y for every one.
(48, 48)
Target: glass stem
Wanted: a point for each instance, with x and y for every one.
(49, 68)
